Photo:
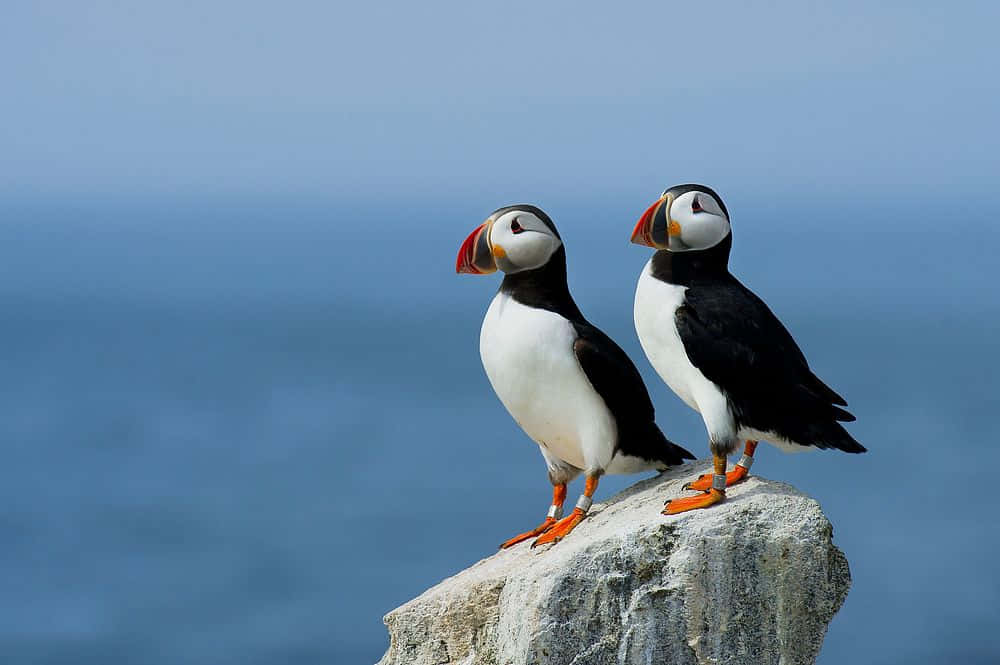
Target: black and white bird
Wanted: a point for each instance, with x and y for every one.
(720, 348)
(567, 384)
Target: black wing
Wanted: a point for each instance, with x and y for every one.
(740, 345)
(618, 382)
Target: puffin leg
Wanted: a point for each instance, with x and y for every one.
(555, 512)
(739, 472)
(560, 529)
(711, 497)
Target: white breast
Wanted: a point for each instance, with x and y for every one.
(529, 359)
(655, 305)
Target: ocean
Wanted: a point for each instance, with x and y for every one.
(240, 434)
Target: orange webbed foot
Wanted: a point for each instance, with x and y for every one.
(704, 500)
(561, 528)
(537, 531)
(704, 482)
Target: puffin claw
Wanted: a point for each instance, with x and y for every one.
(703, 500)
(538, 530)
(560, 529)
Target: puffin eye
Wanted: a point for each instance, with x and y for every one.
(515, 227)
(696, 205)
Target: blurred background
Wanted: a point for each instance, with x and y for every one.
(239, 374)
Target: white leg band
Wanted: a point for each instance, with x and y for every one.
(555, 512)
(746, 462)
(719, 482)
(584, 502)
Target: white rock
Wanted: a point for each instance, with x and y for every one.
(753, 580)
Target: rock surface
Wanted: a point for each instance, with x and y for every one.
(754, 580)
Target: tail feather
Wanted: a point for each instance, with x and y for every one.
(842, 415)
(821, 389)
(835, 436)
(673, 453)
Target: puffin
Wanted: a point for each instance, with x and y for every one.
(571, 389)
(720, 348)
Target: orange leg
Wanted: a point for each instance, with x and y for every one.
(555, 512)
(706, 499)
(560, 529)
(739, 472)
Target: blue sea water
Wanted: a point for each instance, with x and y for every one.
(243, 434)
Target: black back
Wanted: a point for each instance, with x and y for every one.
(735, 340)
(608, 368)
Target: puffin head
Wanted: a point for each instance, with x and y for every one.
(512, 239)
(685, 218)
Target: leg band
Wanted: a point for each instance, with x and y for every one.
(584, 502)
(555, 512)
(746, 462)
(719, 482)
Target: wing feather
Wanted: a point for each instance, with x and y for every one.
(738, 343)
(615, 378)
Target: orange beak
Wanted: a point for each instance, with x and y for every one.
(476, 256)
(641, 233)
(653, 229)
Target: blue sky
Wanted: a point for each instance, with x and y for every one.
(517, 100)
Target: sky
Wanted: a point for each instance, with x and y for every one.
(116, 101)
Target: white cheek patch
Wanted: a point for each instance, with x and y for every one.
(699, 230)
(709, 204)
(706, 231)
(529, 249)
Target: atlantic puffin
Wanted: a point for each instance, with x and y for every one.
(721, 349)
(567, 384)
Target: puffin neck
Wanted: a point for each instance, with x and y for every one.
(544, 288)
(683, 268)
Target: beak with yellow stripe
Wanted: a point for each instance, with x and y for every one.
(476, 254)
